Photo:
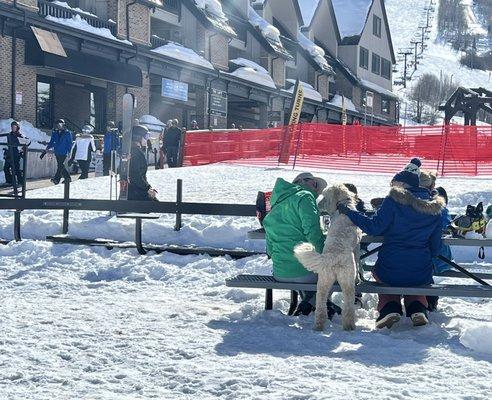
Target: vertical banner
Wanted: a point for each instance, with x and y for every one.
(295, 116)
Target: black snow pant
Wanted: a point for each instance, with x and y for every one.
(172, 156)
(10, 170)
(84, 166)
(61, 170)
(106, 163)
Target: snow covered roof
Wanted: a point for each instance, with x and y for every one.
(270, 33)
(379, 89)
(252, 72)
(316, 52)
(308, 8)
(351, 16)
(339, 101)
(77, 22)
(179, 52)
(212, 10)
(309, 91)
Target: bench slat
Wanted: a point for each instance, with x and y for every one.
(137, 215)
(268, 282)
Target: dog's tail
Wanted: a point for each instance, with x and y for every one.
(309, 257)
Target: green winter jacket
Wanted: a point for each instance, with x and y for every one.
(293, 219)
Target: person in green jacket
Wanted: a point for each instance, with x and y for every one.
(294, 219)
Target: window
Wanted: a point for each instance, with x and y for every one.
(376, 26)
(376, 64)
(44, 104)
(363, 98)
(385, 68)
(385, 106)
(364, 58)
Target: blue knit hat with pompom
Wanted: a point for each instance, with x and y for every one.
(410, 174)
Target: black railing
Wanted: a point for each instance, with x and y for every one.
(48, 8)
(156, 41)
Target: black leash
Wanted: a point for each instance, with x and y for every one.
(462, 270)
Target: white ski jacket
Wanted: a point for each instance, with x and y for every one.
(83, 146)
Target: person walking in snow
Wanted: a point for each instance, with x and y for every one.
(409, 220)
(111, 143)
(172, 142)
(61, 142)
(138, 186)
(82, 150)
(13, 154)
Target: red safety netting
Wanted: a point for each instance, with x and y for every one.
(452, 150)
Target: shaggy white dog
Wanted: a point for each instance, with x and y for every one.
(338, 260)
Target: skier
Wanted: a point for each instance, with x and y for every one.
(111, 143)
(12, 156)
(61, 142)
(138, 187)
(172, 141)
(82, 150)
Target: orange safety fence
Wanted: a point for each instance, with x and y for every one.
(452, 150)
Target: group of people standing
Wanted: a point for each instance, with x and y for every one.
(12, 156)
(411, 219)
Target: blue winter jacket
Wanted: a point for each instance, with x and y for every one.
(439, 265)
(111, 142)
(61, 142)
(410, 222)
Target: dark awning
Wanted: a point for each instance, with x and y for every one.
(87, 65)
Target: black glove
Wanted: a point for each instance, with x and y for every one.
(42, 154)
(342, 208)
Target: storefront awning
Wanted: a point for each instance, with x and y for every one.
(49, 42)
(87, 65)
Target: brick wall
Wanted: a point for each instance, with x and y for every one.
(278, 73)
(28, 4)
(139, 20)
(115, 99)
(323, 85)
(72, 103)
(25, 82)
(214, 45)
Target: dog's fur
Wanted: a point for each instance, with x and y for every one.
(338, 260)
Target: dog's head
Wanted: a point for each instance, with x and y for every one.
(333, 195)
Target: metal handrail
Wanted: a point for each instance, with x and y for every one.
(47, 8)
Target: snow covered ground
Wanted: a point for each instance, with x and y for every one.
(89, 323)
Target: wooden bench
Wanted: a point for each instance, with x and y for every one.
(138, 217)
(269, 283)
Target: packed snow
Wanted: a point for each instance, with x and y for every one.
(28, 131)
(267, 30)
(77, 22)
(212, 7)
(309, 91)
(308, 9)
(79, 10)
(179, 52)
(253, 72)
(338, 101)
(90, 323)
(474, 26)
(351, 16)
(315, 51)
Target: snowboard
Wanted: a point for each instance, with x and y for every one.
(126, 144)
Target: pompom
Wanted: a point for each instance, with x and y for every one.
(416, 161)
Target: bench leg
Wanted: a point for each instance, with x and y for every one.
(17, 226)
(138, 236)
(268, 299)
(293, 302)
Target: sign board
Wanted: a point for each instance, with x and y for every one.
(18, 97)
(296, 108)
(98, 163)
(49, 42)
(218, 103)
(369, 99)
(174, 89)
(344, 111)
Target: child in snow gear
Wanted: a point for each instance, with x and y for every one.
(12, 156)
(61, 142)
(409, 219)
(82, 150)
(111, 143)
(138, 187)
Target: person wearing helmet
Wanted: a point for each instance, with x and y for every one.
(61, 142)
(111, 143)
(82, 150)
(11, 167)
(138, 186)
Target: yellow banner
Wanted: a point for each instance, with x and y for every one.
(295, 111)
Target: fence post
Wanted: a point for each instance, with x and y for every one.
(17, 225)
(179, 200)
(299, 132)
(66, 197)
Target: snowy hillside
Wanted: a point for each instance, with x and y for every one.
(439, 58)
(94, 324)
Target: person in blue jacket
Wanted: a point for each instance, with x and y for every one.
(111, 143)
(409, 220)
(61, 142)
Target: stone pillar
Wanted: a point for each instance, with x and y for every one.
(139, 20)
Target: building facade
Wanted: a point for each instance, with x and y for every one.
(221, 64)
